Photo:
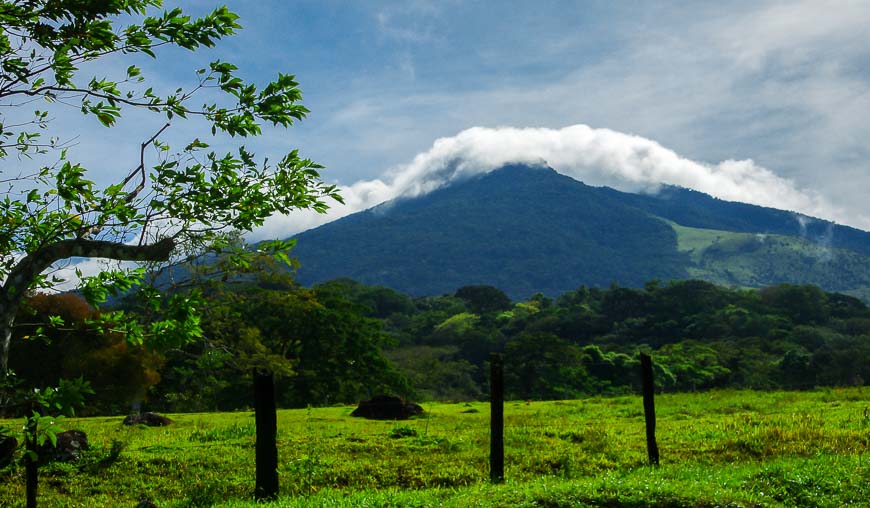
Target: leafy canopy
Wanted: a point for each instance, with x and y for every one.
(171, 203)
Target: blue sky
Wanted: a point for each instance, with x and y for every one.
(762, 101)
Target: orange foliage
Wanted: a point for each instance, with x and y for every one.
(118, 372)
(71, 307)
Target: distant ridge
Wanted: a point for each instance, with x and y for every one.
(530, 229)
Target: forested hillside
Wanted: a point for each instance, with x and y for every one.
(342, 341)
(522, 229)
(530, 230)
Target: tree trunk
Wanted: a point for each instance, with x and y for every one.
(7, 319)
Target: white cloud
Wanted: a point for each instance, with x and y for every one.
(594, 156)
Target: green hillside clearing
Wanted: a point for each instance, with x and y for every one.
(755, 260)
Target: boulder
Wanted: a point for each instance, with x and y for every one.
(149, 419)
(387, 407)
(8, 444)
(69, 446)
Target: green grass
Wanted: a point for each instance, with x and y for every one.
(736, 448)
(696, 240)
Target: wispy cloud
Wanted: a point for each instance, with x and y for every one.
(410, 22)
(793, 33)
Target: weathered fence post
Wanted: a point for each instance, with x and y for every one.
(496, 418)
(266, 424)
(31, 471)
(649, 409)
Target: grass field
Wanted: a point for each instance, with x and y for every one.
(727, 448)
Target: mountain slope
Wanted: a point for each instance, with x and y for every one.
(521, 229)
(528, 230)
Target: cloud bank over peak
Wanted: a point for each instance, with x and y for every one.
(594, 156)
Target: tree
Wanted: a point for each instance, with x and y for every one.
(543, 366)
(436, 373)
(482, 299)
(119, 373)
(803, 305)
(168, 205)
(318, 343)
(190, 202)
(693, 365)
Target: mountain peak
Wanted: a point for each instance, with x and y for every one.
(509, 228)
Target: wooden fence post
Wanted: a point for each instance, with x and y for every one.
(649, 410)
(496, 419)
(266, 419)
(31, 466)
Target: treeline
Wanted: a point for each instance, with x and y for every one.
(588, 341)
(341, 341)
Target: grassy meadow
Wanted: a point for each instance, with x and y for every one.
(721, 448)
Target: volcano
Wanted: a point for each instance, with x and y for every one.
(527, 230)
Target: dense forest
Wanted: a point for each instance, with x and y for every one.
(342, 341)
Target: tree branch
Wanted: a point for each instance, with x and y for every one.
(35, 263)
(84, 57)
(29, 267)
(140, 169)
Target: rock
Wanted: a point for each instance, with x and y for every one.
(69, 446)
(149, 419)
(8, 444)
(387, 407)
